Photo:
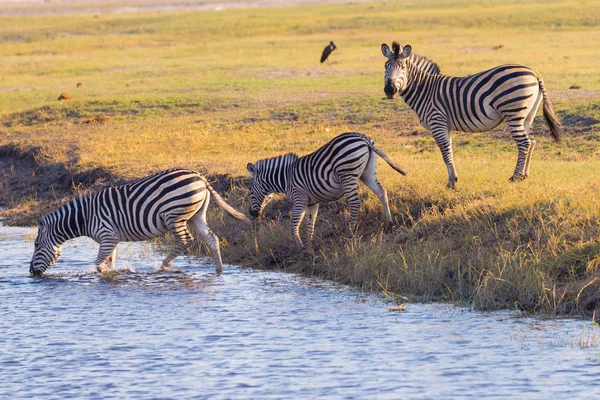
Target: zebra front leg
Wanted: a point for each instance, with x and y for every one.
(349, 184)
(311, 212)
(110, 263)
(444, 142)
(199, 226)
(299, 205)
(524, 145)
(183, 236)
(106, 255)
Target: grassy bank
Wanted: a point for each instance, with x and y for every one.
(216, 90)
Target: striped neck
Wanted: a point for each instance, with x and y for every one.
(414, 90)
(424, 64)
(275, 172)
(69, 221)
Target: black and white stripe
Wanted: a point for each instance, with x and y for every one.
(325, 175)
(169, 201)
(476, 103)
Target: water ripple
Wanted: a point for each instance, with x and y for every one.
(250, 334)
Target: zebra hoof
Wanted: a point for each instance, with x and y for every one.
(517, 178)
(388, 226)
(452, 182)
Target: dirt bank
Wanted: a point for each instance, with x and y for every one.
(33, 185)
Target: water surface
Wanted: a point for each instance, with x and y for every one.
(256, 334)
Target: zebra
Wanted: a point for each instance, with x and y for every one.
(173, 201)
(325, 175)
(475, 103)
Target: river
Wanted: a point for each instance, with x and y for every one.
(261, 334)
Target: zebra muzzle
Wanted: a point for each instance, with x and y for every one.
(390, 91)
(35, 272)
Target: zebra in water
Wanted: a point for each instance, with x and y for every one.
(475, 103)
(325, 175)
(169, 201)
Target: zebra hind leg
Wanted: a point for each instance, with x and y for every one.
(183, 236)
(519, 121)
(528, 158)
(200, 227)
(369, 178)
(527, 125)
(525, 146)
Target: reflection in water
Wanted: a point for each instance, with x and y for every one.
(255, 334)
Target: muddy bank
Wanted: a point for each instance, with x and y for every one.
(32, 184)
(454, 249)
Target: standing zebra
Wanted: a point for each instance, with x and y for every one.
(475, 103)
(322, 176)
(174, 200)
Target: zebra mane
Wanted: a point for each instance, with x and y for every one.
(424, 64)
(291, 157)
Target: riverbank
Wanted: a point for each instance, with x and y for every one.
(241, 334)
(517, 246)
(200, 90)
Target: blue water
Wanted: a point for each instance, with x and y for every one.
(254, 334)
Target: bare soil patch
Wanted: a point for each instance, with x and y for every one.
(32, 185)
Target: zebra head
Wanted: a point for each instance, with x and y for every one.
(46, 250)
(396, 74)
(268, 176)
(260, 195)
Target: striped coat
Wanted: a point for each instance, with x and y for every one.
(325, 175)
(476, 103)
(173, 201)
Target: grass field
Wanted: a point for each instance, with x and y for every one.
(216, 90)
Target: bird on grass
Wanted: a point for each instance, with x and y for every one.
(327, 51)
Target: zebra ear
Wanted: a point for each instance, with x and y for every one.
(39, 222)
(406, 51)
(385, 50)
(250, 167)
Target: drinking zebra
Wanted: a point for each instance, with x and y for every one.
(169, 201)
(325, 175)
(475, 103)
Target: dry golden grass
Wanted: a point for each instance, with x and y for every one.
(206, 91)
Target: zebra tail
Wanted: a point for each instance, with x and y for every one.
(387, 160)
(555, 127)
(224, 205)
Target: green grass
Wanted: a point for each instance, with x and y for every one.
(216, 90)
